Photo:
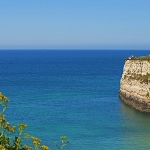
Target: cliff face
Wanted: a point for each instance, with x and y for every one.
(135, 85)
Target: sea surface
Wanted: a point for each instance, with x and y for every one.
(73, 93)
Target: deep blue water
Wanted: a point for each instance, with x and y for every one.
(73, 93)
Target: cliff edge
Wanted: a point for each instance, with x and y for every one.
(135, 83)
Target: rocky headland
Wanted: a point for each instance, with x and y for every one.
(135, 83)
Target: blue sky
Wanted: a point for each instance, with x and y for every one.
(75, 24)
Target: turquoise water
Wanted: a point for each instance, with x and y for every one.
(73, 93)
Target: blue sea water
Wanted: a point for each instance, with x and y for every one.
(73, 93)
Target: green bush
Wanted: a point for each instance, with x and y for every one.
(147, 94)
(139, 77)
(12, 137)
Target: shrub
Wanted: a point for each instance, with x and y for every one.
(147, 94)
(139, 77)
(12, 137)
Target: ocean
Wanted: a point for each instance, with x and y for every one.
(73, 93)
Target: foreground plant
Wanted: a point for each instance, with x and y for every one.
(12, 137)
(64, 142)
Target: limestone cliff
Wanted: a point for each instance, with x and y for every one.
(135, 83)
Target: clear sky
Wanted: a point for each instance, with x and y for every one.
(75, 24)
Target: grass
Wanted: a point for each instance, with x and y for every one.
(139, 58)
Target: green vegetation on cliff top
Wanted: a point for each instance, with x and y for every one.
(139, 58)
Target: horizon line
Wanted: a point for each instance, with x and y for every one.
(52, 49)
